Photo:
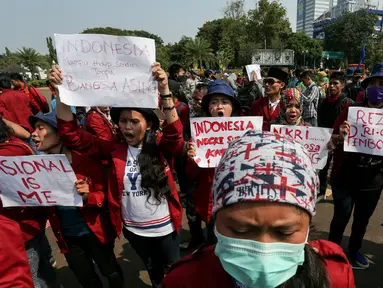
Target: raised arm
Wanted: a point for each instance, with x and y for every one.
(17, 130)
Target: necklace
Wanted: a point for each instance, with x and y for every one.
(135, 162)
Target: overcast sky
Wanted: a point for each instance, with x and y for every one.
(27, 22)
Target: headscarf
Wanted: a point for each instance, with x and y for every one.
(286, 96)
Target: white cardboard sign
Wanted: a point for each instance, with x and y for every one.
(366, 131)
(212, 135)
(253, 68)
(46, 180)
(314, 139)
(105, 70)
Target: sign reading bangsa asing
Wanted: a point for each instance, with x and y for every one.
(46, 180)
(212, 135)
(366, 131)
(105, 70)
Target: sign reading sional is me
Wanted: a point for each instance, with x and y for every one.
(105, 70)
(212, 136)
(46, 180)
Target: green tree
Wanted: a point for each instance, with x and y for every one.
(198, 52)
(226, 53)
(52, 57)
(348, 33)
(374, 51)
(30, 59)
(212, 32)
(177, 51)
(234, 9)
(267, 23)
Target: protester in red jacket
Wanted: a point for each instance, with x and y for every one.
(268, 106)
(264, 196)
(37, 100)
(218, 102)
(98, 124)
(141, 190)
(31, 220)
(84, 234)
(14, 106)
(356, 178)
(15, 271)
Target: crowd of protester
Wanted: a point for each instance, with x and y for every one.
(136, 173)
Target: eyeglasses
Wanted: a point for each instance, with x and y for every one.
(270, 81)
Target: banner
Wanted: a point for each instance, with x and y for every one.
(366, 131)
(212, 135)
(104, 70)
(46, 180)
(314, 139)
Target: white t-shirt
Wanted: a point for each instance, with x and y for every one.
(142, 215)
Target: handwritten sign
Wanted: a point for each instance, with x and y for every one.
(366, 131)
(46, 180)
(253, 68)
(104, 70)
(212, 136)
(314, 139)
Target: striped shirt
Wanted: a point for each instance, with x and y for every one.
(142, 214)
(310, 102)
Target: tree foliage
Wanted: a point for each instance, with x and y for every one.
(30, 59)
(374, 51)
(234, 10)
(348, 33)
(198, 52)
(52, 56)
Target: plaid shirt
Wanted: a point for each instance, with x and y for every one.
(310, 101)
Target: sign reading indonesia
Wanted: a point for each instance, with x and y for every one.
(314, 139)
(105, 70)
(46, 180)
(212, 136)
(366, 131)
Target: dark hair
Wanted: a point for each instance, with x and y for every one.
(338, 76)
(208, 73)
(307, 74)
(5, 131)
(17, 76)
(311, 274)
(152, 168)
(298, 72)
(5, 82)
(174, 69)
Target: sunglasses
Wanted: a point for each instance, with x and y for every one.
(270, 81)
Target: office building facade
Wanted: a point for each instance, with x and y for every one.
(308, 11)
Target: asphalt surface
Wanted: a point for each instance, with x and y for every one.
(136, 276)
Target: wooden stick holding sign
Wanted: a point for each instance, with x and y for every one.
(212, 136)
(366, 131)
(105, 70)
(46, 180)
(314, 139)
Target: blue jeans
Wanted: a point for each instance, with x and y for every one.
(345, 199)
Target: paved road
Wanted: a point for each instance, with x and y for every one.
(136, 276)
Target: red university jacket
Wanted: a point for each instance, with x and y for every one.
(95, 210)
(170, 142)
(15, 271)
(98, 125)
(260, 107)
(203, 269)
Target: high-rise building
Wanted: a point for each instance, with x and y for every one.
(343, 6)
(308, 11)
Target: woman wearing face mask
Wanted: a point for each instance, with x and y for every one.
(84, 234)
(262, 224)
(218, 102)
(356, 178)
(290, 112)
(142, 197)
(32, 220)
